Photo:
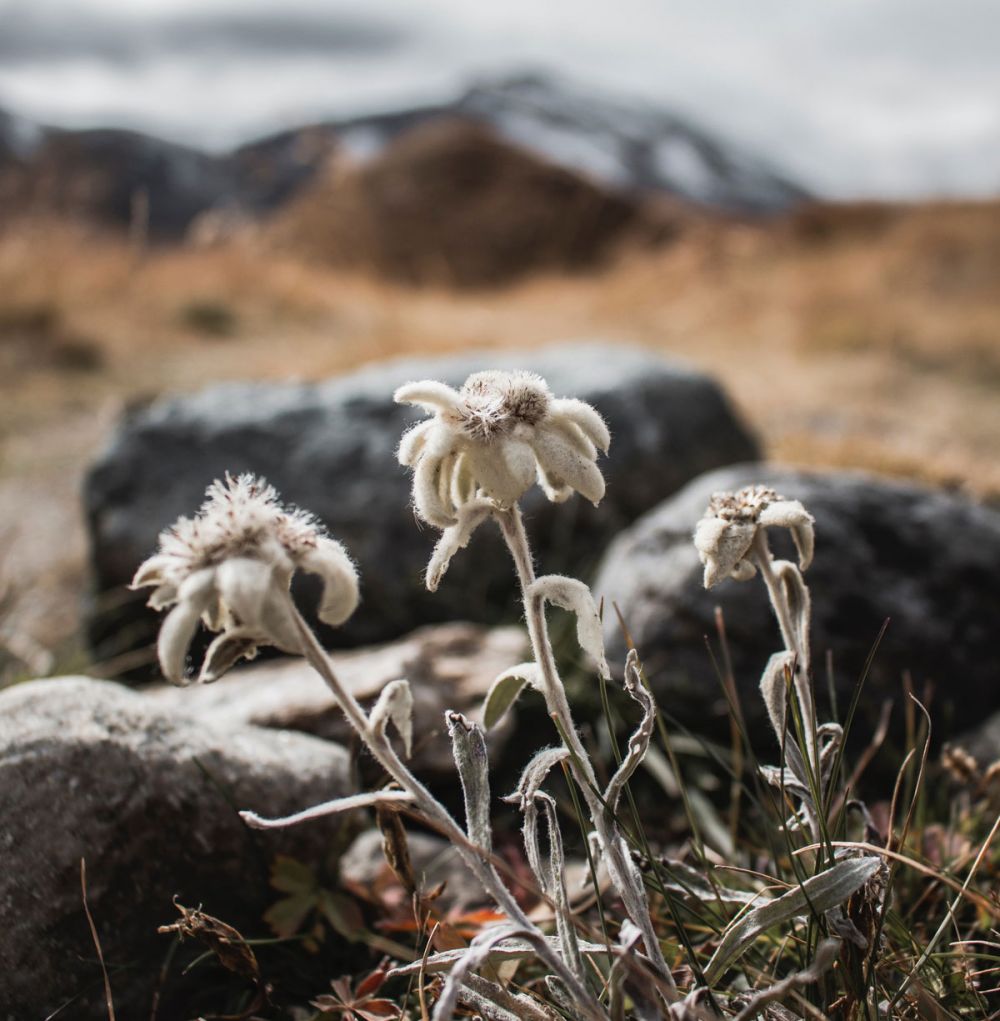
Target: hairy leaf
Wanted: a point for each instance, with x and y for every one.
(506, 689)
(573, 595)
(468, 745)
(395, 705)
(819, 893)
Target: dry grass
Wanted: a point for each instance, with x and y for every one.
(866, 337)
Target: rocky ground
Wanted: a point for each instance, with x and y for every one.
(851, 338)
(857, 337)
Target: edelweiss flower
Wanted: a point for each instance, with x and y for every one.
(497, 435)
(725, 535)
(231, 567)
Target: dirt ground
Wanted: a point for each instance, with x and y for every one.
(866, 337)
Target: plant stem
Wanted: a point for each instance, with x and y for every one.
(476, 859)
(761, 554)
(622, 870)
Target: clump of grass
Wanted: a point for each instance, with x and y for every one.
(34, 335)
(806, 903)
(209, 317)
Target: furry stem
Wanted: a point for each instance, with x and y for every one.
(621, 869)
(475, 859)
(762, 559)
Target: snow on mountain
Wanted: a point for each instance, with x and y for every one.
(628, 144)
(623, 145)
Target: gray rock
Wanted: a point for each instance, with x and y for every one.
(982, 741)
(331, 449)
(90, 769)
(449, 666)
(925, 559)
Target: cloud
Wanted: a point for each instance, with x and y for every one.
(39, 35)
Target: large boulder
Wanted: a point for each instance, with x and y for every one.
(924, 559)
(330, 448)
(92, 770)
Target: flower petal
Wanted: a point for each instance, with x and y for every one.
(277, 620)
(587, 418)
(564, 464)
(505, 468)
(427, 490)
(243, 584)
(413, 442)
(330, 562)
(153, 571)
(463, 483)
(575, 436)
(181, 623)
(225, 652)
(163, 596)
(722, 545)
(470, 517)
(430, 395)
(555, 490)
(792, 515)
(446, 479)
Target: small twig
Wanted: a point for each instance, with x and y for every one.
(97, 941)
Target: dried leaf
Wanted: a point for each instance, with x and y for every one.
(396, 849)
(638, 743)
(229, 947)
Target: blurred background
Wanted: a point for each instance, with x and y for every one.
(798, 199)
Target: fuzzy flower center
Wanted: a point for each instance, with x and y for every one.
(495, 402)
(743, 507)
(237, 518)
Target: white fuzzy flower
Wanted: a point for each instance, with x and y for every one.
(494, 438)
(231, 566)
(725, 535)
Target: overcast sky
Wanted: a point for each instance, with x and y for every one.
(852, 97)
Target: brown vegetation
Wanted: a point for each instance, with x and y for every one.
(873, 348)
(450, 203)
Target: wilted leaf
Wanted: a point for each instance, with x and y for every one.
(573, 595)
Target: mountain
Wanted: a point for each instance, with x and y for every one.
(626, 145)
(623, 146)
(449, 202)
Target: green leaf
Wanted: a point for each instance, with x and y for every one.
(819, 893)
(342, 913)
(291, 876)
(286, 916)
(504, 691)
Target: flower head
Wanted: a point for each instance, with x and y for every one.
(494, 438)
(725, 535)
(231, 566)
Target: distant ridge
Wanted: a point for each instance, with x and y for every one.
(624, 144)
(629, 147)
